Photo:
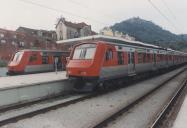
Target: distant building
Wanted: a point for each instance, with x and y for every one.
(68, 30)
(43, 34)
(107, 31)
(126, 36)
(12, 41)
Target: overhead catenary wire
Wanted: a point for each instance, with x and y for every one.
(88, 7)
(169, 10)
(162, 14)
(62, 11)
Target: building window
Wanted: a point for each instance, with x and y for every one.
(15, 36)
(13, 43)
(31, 44)
(2, 35)
(3, 41)
(21, 44)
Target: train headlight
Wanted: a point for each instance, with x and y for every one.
(83, 73)
(69, 72)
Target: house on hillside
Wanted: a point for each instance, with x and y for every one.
(68, 30)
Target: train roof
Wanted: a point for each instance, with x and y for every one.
(116, 40)
(37, 50)
(107, 38)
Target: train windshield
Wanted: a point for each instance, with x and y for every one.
(17, 56)
(85, 51)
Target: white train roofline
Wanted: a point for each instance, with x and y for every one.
(95, 37)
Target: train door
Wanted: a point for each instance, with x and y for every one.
(120, 58)
(131, 62)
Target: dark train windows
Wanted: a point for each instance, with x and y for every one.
(33, 58)
(148, 57)
(140, 58)
(154, 58)
(132, 58)
(45, 59)
(109, 55)
(120, 58)
(144, 57)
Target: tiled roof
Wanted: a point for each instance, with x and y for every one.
(74, 25)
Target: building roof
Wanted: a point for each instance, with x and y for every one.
(30, 30)
(73, 25)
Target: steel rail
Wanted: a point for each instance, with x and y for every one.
(131, 105)
(169, 105)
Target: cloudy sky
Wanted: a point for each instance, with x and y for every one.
(43, 14)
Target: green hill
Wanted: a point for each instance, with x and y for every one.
(147, 31)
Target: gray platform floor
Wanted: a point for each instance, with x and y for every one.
(181, 119)
(31, 79)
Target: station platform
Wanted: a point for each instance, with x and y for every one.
(181, 119)
(30, 79)
(25, 88)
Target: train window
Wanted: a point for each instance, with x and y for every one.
(144, 57)
(89, 53)
(18, 56)
(45, 59)
(120, 58)
(84, 52)
(109, 54)
(33, 58)
(140, 58)
(148, 57)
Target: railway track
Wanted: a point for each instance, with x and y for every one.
(40, 110)
(155, 122)
(158, 122)
(12, 115)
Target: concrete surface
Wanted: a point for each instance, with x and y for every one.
(3, 72)
(25, 88)
(88, 113)
(181, 120)
(31, 79)
(38, 106)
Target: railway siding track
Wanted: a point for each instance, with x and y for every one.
(123, 119)
(15, 115)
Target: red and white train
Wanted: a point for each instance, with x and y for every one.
(33, 61)
(97, 59)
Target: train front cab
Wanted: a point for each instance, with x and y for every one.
(84, 64)
(16, 64)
